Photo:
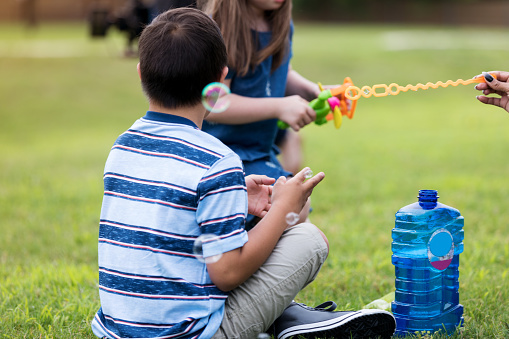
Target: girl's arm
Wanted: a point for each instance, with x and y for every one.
(293, 110)
(238, 265)
(296, 84)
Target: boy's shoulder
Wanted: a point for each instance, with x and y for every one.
(164, 127)
(216, 145)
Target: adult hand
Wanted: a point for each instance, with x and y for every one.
(499, 86)
(259, 190)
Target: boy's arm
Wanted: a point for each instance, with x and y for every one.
(238, 265)
(293, 110)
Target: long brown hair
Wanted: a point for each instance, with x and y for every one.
(232, 17)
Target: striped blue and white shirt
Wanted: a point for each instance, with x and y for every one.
(165, 184)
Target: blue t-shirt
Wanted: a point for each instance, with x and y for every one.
(254, 142)
(165, 184)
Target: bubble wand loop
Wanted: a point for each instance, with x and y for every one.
(354, 93)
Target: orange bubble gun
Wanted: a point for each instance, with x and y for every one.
(354, 93)
(331, 104)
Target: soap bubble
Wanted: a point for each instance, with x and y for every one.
(198, 248)
(215, 97)
(308, 174)
(292, 218)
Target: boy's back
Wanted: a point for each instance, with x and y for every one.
(160, 179)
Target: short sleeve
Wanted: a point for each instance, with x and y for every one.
(222, 206)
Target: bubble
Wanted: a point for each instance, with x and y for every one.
(292, 218)
(215, 97)
(198, 248)
(308, 174)
(366, 92)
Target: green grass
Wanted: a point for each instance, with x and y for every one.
(65, 98)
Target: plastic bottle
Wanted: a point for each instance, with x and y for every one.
(427, 241)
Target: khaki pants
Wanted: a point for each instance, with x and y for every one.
(253, 306)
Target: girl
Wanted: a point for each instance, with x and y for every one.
(265, 89)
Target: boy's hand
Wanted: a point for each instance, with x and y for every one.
(292, 194)
(258, 194)
(499, 86)
(237, 265)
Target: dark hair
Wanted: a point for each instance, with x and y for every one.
(181, 51)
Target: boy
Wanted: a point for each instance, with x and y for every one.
(166, 183)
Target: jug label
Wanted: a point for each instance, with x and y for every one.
(440, 249)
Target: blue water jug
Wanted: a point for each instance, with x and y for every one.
(427, 241)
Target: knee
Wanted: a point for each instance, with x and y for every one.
(314, 232)
(324, 237)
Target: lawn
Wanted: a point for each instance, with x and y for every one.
(66, 97)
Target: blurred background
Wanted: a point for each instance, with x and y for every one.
(129, 16)
(446, 12)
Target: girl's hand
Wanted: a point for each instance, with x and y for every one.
(296, 112)
(499, 86)
(292, 194)
(258, 194)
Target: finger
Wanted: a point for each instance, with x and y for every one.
(315, 180)
(489, 100)
(281, 180)
(269, 181)
(482, 86)
(295, 127)
(301, 176)
(307, 119)
(496, 84)
(486, 90)
(501, 76)
(265, 180)
(311, 113)
(256, 178)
